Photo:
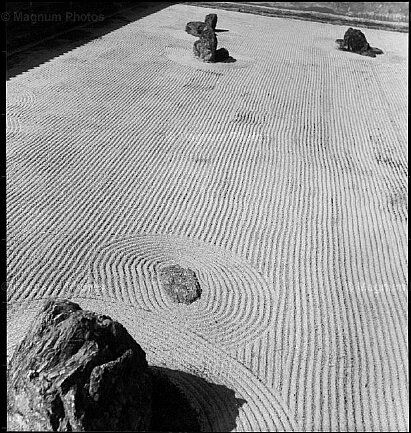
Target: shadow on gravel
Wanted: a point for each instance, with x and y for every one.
(229, 59)
(215, 408)
(43, 32)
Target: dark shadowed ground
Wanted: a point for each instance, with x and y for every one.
(363, 14)
(39, 31)
(172, 411)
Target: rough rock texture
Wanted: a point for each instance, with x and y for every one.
(211, 20)
(195, 28)
(180, 284)
(206, 47)
(76, 371)
(355, 40)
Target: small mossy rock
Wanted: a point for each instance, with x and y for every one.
(340, 43)
(180, 284)
(77, 371)
(355, 41)
(211, 20)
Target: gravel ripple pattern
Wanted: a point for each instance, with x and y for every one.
(281, 179)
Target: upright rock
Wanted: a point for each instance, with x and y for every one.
(211, 20)
(77, 371)
(355, 40)
(206, 47)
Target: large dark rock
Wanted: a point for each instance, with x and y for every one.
(206, 47)
(180, 284)
(77, 371)
(211, 20)
(355, 40)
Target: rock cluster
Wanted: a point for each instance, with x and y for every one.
(77, 371)
(206, 47)
(355, 40)
(180, 284)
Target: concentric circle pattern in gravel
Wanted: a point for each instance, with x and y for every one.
(281, 178)
(258, 408)
(236, 304)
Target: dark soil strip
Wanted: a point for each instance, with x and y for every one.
(306, 16)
